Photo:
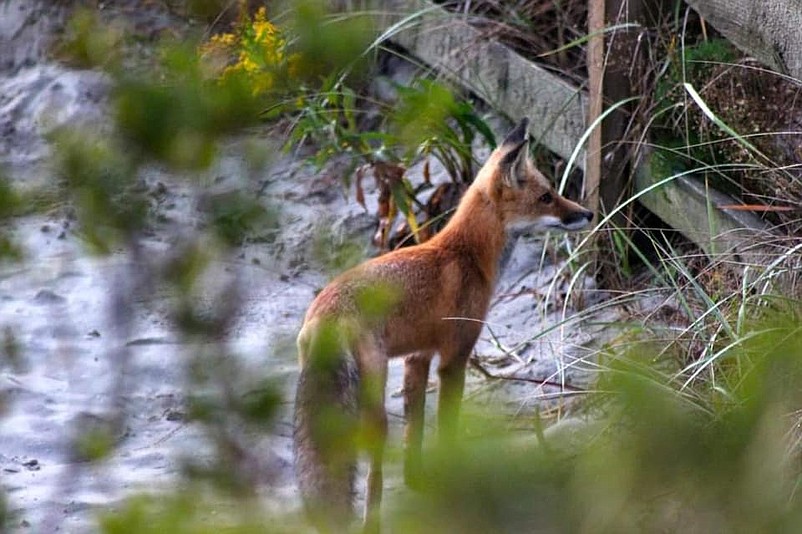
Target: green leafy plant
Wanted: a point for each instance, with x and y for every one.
(428, 121)
(301, 67)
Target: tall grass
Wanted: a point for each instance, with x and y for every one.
(695, 344)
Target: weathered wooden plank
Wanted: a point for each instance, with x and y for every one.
(696, 211)
(502, 78)
(769, 30)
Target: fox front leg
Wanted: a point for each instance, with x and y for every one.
(416, 377)
(452, 384)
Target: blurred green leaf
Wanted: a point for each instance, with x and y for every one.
(378, 299)
(9, 198)
(88, 42)
(204, 408)
(11, 204)
(111, 203)
(190, 511)
(5, 517)
(11, 354)
(422, 112)
(235, 215)
(335, 253)
(668, 461)
(187, 266)
(9, 249)
(327, 43)
(179, 119)
(93, 443)
(260, 404)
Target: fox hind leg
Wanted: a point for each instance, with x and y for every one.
(373, 380)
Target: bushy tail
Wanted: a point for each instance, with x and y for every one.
(324, 440)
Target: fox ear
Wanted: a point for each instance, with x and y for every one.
(516, 145)
(517, 135)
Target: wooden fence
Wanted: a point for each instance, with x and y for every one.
(503, 79)
(559, 112)
(768, 30)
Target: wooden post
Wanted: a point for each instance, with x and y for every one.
(616, 72)
(595, 59)
(622, 71)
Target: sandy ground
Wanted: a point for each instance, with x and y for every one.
(57, 305)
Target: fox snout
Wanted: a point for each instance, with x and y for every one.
(576, 220)
(565, 215)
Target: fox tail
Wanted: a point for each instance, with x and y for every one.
(324, 443)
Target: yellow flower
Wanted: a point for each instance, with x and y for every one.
(261, 15)
(224, 39)
(260, 51)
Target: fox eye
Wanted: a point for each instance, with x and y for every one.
(546, 198)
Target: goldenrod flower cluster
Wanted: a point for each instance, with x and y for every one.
(260, 50)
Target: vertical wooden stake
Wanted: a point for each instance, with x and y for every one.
(595, 60)
(615, 72)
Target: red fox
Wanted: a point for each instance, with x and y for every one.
(439, 293)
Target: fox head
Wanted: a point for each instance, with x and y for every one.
(524, 197)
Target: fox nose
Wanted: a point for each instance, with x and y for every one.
(579, 217)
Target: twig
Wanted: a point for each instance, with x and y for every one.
(507, 352)
(542, 382)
